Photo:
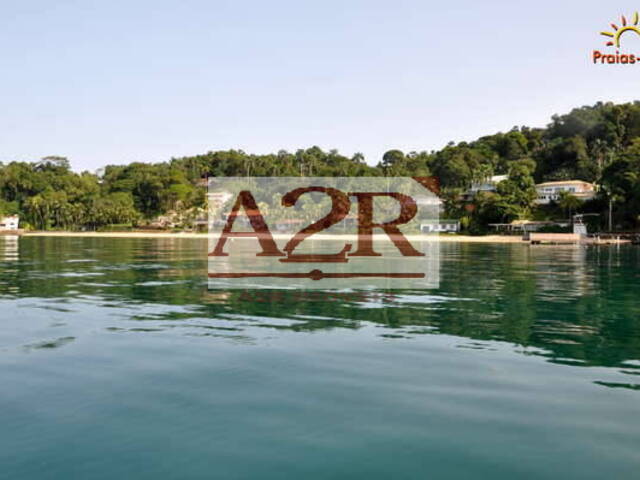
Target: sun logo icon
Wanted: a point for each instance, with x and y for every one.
(618, 31)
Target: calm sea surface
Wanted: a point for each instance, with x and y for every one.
(117, 362)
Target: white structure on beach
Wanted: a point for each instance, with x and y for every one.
(550, 191)
(440, 226)
(10, 223)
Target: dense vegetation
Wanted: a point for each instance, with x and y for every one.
(599, 143)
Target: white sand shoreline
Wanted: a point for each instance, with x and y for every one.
(204, 236)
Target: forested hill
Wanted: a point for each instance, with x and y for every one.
(599, 143)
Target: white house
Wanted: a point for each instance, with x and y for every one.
(9, 223)
(550, 191)
(488, 185)
(440, 226)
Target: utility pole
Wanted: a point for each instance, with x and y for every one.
(610, 198)
(610, 213)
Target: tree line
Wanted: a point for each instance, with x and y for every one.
(599, 143)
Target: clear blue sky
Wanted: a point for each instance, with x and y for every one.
(118, 81)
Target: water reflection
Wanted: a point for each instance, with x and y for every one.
(9, 251)
(573, 305)
(56, 343)
(573, 281)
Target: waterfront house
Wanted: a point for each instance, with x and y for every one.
(440, 226)
(550, 191)
(9, 223)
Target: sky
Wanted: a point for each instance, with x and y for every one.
(111, 82)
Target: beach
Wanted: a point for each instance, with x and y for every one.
(185, 235)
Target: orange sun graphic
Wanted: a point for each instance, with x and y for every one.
(618, 31)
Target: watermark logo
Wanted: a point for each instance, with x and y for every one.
(323, 232)
(614, 38)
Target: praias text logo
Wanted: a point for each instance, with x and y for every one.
(614, 38)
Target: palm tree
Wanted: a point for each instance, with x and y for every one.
(568, 202)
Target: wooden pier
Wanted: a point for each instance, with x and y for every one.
(552, 238)
(576, 238)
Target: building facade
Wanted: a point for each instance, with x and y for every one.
(9, 223)
(440, 226)
(550, 191)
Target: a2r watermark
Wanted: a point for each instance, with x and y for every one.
(323, 232)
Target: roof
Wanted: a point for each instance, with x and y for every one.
(564, 182)
(521, 223)
(532, 222)
(498, 178)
